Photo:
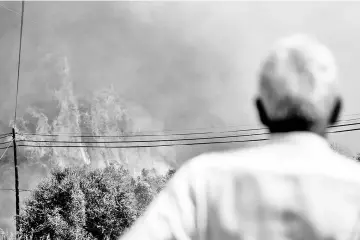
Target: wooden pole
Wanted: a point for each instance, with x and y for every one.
(17, 201)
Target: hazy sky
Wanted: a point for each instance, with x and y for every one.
(189, 64)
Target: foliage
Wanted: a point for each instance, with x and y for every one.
(357, 158)
(82, 203)
(342, 150)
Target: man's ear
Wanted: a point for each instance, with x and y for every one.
(335, 112)
(262, 113)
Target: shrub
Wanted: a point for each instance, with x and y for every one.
(75, 203)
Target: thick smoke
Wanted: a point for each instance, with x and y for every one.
(157, 60)
(145, 50)
(175, 60)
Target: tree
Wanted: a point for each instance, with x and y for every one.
(80, 203)
(342, 150)
(357, 158)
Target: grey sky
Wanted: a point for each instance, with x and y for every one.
(190, 64)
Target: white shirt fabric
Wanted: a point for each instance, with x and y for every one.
(294, 187)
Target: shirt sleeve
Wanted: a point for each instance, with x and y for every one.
(171, 215)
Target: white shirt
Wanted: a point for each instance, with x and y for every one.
(294, 187)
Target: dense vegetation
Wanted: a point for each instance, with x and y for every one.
(80, 203)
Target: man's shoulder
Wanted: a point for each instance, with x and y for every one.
(344, 167)
(230, 159)
(277, 159)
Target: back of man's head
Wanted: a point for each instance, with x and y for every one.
(298, 86)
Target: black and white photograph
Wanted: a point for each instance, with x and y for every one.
(179, 120)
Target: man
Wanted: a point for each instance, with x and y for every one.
(293, 187)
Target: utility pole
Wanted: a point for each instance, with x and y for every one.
(13, 129)
(16, 184)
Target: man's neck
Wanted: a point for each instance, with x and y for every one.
(303, 137)
(295, 125)
(319, 133)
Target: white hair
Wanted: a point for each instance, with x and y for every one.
(298, 77)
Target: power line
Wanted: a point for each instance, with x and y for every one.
(6, 142)
(5, 150)
(167, 135)
(19, 59)
(2, 148)
(158, 141)
(347, 120)
(149, 146)
(153, 140)
(10, 189)
(161, 133)
(9, 9)
(5, 136)
(16, 12)
(346, 130)
(131, 134)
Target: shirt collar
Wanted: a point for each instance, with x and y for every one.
(302, 138)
